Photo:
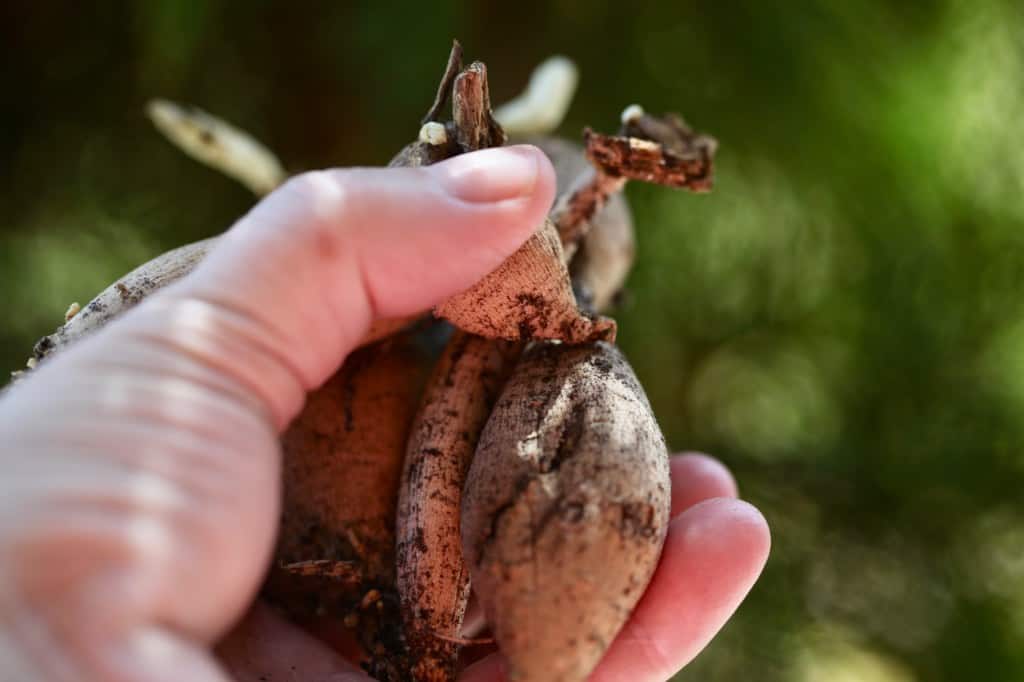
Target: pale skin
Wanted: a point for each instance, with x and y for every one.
(140, 485)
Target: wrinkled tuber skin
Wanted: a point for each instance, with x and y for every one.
(433, 583)
(341, 469)
(565, 508)
(529, 296)
(607, 250)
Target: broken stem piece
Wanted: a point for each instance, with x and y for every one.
(475, 127)
(663, 151)
(574, 218)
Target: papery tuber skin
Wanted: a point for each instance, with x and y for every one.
(147, 279)
(565, 509)
(529, 296)
(433, 583)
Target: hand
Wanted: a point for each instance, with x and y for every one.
(140, 485)
(715, 550)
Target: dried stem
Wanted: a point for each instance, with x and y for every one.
(662, 151)
(444, 88)
(345, 571)
(475, 127)
(574, 219)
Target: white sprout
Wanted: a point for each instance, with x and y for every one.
(540, 109)
(218, 144)
(433, 133)
(632, 113)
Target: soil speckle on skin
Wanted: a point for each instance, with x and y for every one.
(638, 519)
(572, 512)
(421, 542)
(601, 364)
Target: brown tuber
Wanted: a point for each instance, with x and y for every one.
(565, 509)
(341, 470)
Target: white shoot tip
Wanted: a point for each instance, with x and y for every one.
(433, 133)
(632, 113)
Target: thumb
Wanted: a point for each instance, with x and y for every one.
(296, 282)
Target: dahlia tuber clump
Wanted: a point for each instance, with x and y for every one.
(502, 445)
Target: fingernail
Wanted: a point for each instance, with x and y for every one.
(490, 175)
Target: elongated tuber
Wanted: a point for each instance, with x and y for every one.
(433, 584)
(147, 279)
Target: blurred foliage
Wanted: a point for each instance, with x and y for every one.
(841, 320)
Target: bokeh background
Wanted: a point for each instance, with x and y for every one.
(841, 320)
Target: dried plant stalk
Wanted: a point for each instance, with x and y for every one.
(607, 243)
(664, 151)
(475, 127)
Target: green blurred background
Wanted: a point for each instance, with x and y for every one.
(841, 320)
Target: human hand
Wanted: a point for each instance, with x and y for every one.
(715, 550)
(140, 491)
